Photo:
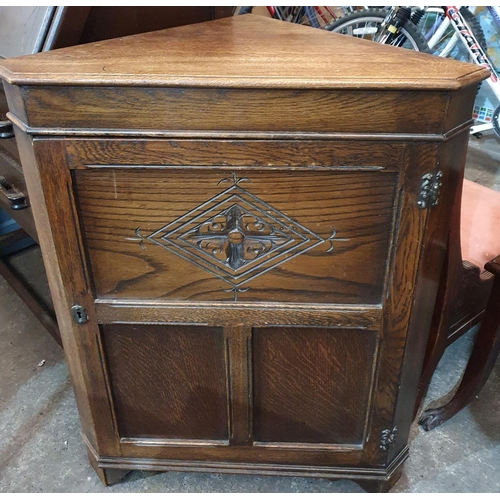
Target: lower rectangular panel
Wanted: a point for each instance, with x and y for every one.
(245, 455)
(168, 381)
(311, 385)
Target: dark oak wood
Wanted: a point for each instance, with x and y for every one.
(475, 289)
(256, 269)
(156, 405)
(462, 297)
(105, 22)
(107, 475)
(234, 109)
(138, 311)
(237, 154)
(69, 283)
(292, 406)
(66, 27)
(452, 154)
(378, 486)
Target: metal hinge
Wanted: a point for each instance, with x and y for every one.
(79, 314)
(430, 187)
(388, 437)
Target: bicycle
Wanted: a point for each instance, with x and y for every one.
(316, 17)
(455, 29)
(441, 37)
(395, 26)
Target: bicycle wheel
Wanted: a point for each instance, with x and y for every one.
(448, 44)
(365, 24)
(317, 17)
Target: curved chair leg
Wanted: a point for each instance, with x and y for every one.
(481, 362)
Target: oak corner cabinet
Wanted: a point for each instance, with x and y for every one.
(243, 223)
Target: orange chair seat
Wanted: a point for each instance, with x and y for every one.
(480, 224)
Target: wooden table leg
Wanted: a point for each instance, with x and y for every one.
(481, 362)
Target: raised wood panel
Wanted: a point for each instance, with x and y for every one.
(167, 381)
(131, 153)
(330, 228)
(312, 385)
(208, 109)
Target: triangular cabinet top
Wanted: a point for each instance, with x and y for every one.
(241, 52)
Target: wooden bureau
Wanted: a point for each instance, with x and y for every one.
(243, 223)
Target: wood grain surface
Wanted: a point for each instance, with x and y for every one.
(399, 303)
(223, 109)
(121, 208)
(238, 154)
(242, 51)
(168, 382)
(311, 385)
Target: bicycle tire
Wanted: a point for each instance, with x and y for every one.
(475, 26)
(415, 40)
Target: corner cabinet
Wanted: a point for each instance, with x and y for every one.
(243, 248)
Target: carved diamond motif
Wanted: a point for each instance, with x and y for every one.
(236, 236)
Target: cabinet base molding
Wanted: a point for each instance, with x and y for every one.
(112, 469)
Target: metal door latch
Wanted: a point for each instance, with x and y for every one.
(79, 314)
(430, 187)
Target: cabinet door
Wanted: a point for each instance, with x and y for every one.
(248, 301)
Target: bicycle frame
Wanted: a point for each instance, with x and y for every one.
(310, 12)
(479, 56)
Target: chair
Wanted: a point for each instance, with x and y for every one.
(463, 298)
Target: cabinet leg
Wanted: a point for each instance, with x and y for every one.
(106, 475)
(379, 485)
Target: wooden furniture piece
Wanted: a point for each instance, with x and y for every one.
(482, 360)
(474, 240)
(465, 286)
(244, 225)
(26, 30)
